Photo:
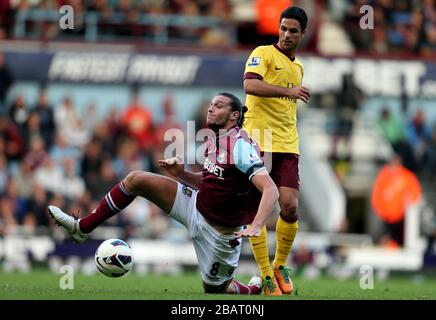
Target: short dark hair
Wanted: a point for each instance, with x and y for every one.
(236, 105)
(297, 14)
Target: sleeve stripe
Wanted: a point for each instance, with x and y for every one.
(256, 171)
(252, 75)
(253, 168)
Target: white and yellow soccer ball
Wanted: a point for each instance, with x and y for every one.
(114, 258)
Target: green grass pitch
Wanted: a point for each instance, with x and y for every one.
(46, 285)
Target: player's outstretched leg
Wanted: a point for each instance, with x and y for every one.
(158, 189)
(79, 229)
(69, 223)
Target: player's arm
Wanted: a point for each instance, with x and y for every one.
(270, 195)
(175, 167)
(258, 87)
(248, 161)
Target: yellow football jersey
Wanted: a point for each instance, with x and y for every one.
(277, 114)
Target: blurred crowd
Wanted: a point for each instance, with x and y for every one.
(54, 154)
(118, 18)
(413, 138)
(411, 133)
(400, 26)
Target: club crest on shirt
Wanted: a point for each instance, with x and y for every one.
(254, 61)
(187, 191)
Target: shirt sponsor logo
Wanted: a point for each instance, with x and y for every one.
(214, 169)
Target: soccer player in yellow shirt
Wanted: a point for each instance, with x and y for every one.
(272, 83)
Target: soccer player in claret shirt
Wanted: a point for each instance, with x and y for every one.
(272, 83)
(211, 204)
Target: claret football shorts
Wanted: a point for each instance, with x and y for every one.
(283, 168)
(217, 254)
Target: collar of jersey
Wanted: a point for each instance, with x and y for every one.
(227, 133)
(284, 52)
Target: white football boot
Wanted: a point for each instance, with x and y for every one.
(256, 281)
(69, 223)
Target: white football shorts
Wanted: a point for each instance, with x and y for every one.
(217, 254)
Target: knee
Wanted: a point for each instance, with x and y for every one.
(134, 180)
(289, 212)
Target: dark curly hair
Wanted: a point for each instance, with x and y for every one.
(297, 14)
(236, 105)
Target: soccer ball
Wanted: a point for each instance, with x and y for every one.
(114, 258)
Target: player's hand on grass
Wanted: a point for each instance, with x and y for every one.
(299, 92)
(173, 166)
(250, 231)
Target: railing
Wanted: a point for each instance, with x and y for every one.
(94, 22)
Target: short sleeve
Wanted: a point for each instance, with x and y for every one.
(246, 158)
(257, 62)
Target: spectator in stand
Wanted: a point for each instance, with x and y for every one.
(6, 80)
(37, 206)
(188, 9)
(65, 116)
(18, 112)
(415, 36)
(32, 129)
(24, 179)
(73, 186)
(219, 37)
(77, 135)
(8, 221)
(129, 157)
(138, 123)
(10, 139)
(115, 128)
(36, 155)
(431, 163)
(106, 179)
(90, 117)
(91, 163)
(45, 112)
(50, 176)
(61, 152)
(348, 100)
(165, 126)
(419, 134)
(362, 39)
(4, 173)
(107, 137)
(429, 45)
(267, 14)
(18, 203)
(394, 131)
